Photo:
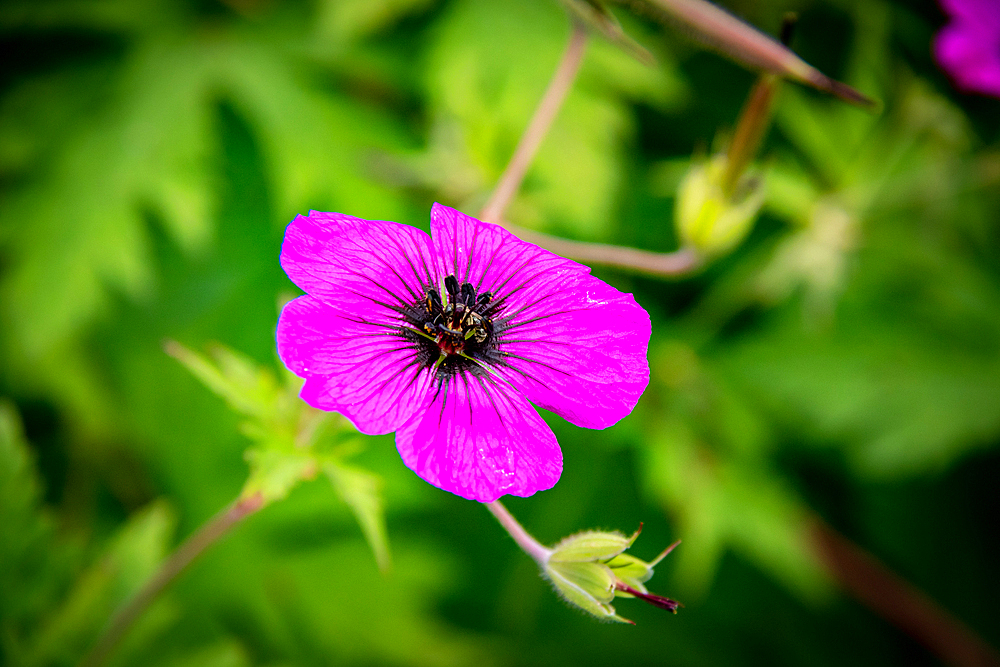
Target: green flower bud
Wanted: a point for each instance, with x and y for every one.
(590, 569)
(709, 219)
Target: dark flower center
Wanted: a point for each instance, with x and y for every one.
(456, 333)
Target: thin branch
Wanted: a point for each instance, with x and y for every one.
(744, 43)
(538, 552)
(899, 602)
(538, 127)
(209, 533)
(657, 264)
(670, 264)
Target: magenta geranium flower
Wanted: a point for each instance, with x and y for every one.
(445, 339)
(969, 46)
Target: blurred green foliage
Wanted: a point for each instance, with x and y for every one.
(841, 363)
(293, 441)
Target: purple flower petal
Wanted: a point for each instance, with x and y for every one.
(362, 371)
(973, 11)
(343, 338)
(586, 363)
(571, 343)
(480, 440)
(358, 266)
(968, 48)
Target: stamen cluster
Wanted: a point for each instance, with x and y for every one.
(460, 325)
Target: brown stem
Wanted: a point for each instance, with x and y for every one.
(210, 532)
(532, 138)
(750, 129)
(669, 264)
(899, 602)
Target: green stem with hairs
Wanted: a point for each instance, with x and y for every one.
(538, 551)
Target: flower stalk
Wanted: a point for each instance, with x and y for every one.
(643, 261)
(663, 264)
(718, 200)
(529, 545)
(538, 127)
(898, 601)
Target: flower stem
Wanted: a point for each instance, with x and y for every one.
(538, 552)
(532, 138)
(209, 533)
(899, 602)
(667, 264)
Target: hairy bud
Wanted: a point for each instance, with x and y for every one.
(590, 569)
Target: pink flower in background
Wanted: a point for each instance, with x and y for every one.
(445, 339)
(968, 48)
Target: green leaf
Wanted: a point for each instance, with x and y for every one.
(361, 490)
(20, 491)
(294, 441)
(30, 570)
(78, 228)
(247, 388)
(74, 221)
(346, 20)
(319, 144)
(275, 472)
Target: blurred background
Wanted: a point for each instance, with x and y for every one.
(837, 373)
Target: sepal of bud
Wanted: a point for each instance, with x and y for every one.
(631, 571)
(592, 545)
(708, 218)
(589, 586)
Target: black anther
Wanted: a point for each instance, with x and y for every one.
(468, 294)
(435, 298)
(451, 285)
